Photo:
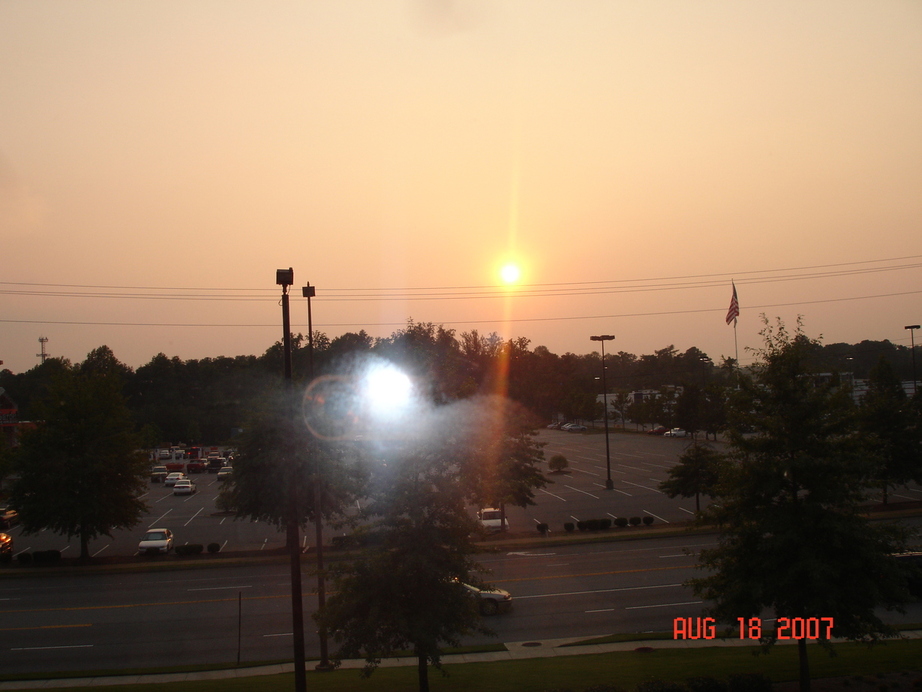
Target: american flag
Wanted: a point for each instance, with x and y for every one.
(734, 310)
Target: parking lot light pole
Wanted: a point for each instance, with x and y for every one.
(609, 485)
(324, 664)
(912, 331)
(285, 278)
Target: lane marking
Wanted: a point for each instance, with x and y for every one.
(644, 487)
(194, 516)
(42, 627)
(583, 492)
(48, 648)
(221, 588)
(665, 521)
(584, 593)
(551, 494)
(664, 605)
(591, 473)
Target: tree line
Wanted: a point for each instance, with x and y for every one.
(208, 400)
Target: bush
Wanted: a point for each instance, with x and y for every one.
(214, 547)
(621, 522)
(647, 520)
(558, 463)
(582, 525)
(543, 529)
(749, 682)
(46, 557)
(634, 521)
(604, 524)
(24, 558)
(659, 686)
(190, 549)
(704, 684)
(569, 527)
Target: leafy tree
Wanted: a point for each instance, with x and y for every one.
(789, 505)
(276, 466)
(891, 425)
(558, 463)
(406, 591)
(697, 472)
(689, 409)
(80, 473)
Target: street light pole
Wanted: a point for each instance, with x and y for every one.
(324, 664)
(285, 278)
(912, 331)
(609, 484)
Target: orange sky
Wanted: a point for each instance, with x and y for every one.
(398, 153)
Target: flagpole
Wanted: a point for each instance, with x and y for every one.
(736, 347)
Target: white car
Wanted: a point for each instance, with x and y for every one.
(156, 541)
(491, 519)
(675, 432)
(490, 601)
(184, 487)
(172, 479)
(226, 472)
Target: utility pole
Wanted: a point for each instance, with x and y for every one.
(42, 340)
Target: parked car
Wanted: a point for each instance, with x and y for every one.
(6, 547)
(171, 479)
(554, 426)
(215, 464)
(490, 601)
(184, 487)
(165, 454)
(576, 427)
(226, 472)
(491, 519)
(8, 518)
(156, 541)
(196, 466)
(675, 432)
(158, 473)
(658, 430)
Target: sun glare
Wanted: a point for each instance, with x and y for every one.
(510, 273)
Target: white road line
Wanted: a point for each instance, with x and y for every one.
(201, 509)
(221, 588)
(584, 471)
(584, 593)
(48, 648)
(551, 494)
(686, 510)
(644, 487)
(615, 489)
(634, 468)
(282, 634)
(101, 549)
(656, 517)
(664, 605)
(623, 473)
(157, 520)
(583, 492)
(265, 540)
(665, 556)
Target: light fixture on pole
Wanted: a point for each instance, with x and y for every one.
(324, 664)
(609, 485)
(912, 331)
(285, 278)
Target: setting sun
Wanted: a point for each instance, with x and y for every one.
(510, 273)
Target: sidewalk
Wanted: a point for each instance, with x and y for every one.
(514, 651)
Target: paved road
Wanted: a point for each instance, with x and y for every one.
(191, 616)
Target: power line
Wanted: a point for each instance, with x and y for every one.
(463, 322)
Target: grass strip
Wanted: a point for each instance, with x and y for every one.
(622, 669)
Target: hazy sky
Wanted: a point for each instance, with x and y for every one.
(160, 160)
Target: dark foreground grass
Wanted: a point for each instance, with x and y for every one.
(622, 669)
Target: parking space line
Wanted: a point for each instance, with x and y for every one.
(584, 471)
(644, 487)
(157, 520)
(583, 492)
(552, 494)
(656, 517)
(194, 516)
(664, 605)
(615, 489)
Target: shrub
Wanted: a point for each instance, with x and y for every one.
(705, 684)
(621, 522)
(634, 521)
(604, 524)
(582, 525)
(558, 463)
(749, 682)
(647, 520)
(543, 529)
(24, 558)
(569, 527)
(46, 557)
(659, 686)
(190, 549)
(214, 547)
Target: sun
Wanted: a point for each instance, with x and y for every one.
(510, 273)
